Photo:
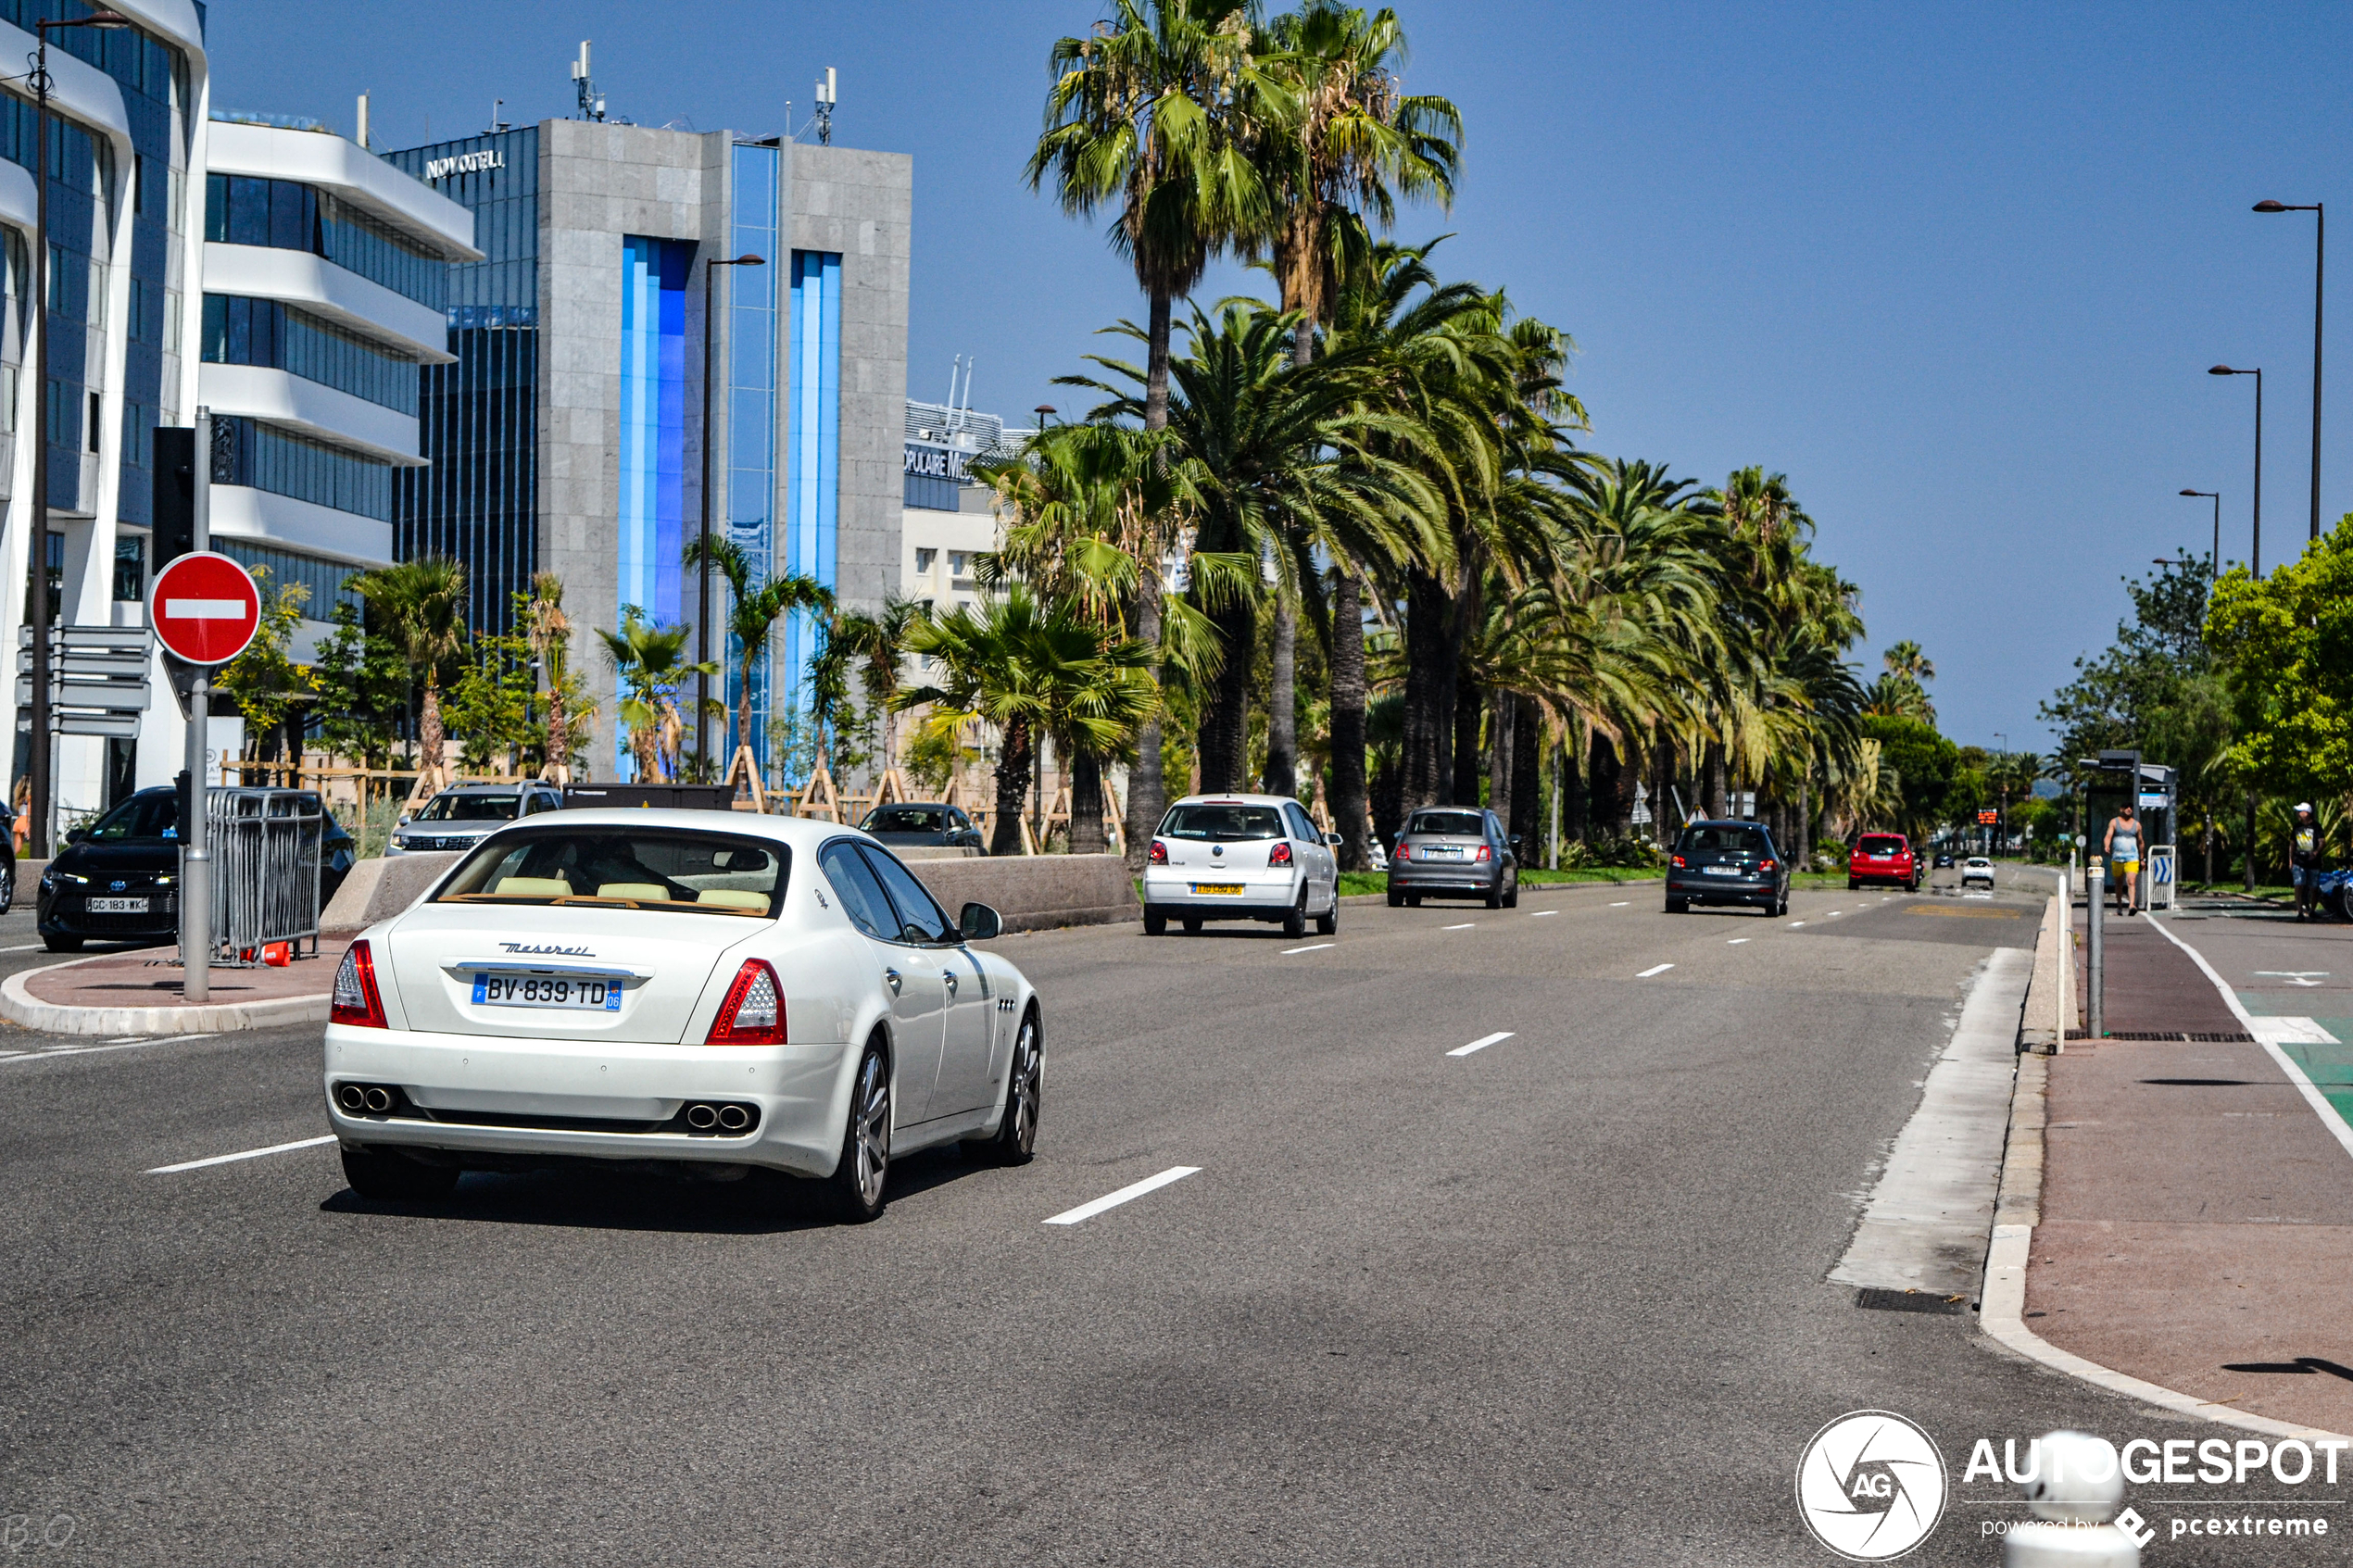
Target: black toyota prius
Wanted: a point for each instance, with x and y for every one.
(117, 880)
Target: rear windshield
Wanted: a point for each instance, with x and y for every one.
(1461, 824)
(1879, 844)
(1735, 839)
(625, 868)
(1222, 822)
(907, 818)
(467, 809)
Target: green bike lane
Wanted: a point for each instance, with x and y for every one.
(2295, 978)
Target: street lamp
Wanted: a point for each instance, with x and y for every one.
(702, 536)
(2319, 245)
(2214, 566)
(38, 765)
(2255, 550)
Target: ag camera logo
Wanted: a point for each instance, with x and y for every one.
(1870, 1485)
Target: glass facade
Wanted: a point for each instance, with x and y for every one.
(263, 331)
(651, 502)
(284, 215)
(479, 502)
(814, 459)
(249, 452)
(325, 579)
(752, 404)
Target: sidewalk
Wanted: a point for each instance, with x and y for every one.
(141, 993)
(2196, 1213)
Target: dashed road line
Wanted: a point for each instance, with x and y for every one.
(1621, 903)
(1464, 927)
(1480, 1043)
(1311, 947)
(241, 1154)
(128, 1043)
(1796, 923)
(1125, 1194)
(1655, 969)
(1540, 914)
(1736, 941)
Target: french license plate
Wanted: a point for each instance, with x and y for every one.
(546, 991)
(1719, 871)
(1221, 889)
(118, 906)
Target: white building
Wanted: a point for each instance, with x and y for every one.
(948, 520)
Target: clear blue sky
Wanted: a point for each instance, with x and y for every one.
(1957, 271)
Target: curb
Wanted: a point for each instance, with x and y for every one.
(19, 1005)
(2002, 1300)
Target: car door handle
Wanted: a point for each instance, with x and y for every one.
(948, 977)
(892, 976)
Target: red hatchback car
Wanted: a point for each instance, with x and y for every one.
(1883, 857)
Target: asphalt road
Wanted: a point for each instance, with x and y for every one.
(1557, 1300)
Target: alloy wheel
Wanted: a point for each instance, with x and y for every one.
(873, 1117)
(1023, 1110)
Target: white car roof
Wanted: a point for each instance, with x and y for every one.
(1236, 800)
(801, 832)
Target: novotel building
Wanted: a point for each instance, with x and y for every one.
(565, 431)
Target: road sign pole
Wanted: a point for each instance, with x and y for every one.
(195, 854)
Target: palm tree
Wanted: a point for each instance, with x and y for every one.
(1906, 659)
(877, 645)
(421, 606)
(550, 635)
(754, 604)
(652, 665)
(1027, 667)
(1349, 144)
(1142, 116)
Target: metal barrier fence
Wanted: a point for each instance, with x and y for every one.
(266, 845)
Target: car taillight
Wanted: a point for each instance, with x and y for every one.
(1405, 852)
(356, 999)
(1159, 855)
(753, 1014)
(1485, 853)
(1764, 865)
(1678, 862)
(1279, 855)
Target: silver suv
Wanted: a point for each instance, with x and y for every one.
(463, 816)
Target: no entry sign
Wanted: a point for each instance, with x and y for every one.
(206, 608)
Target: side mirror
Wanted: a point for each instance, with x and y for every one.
(75, 835)
(1331, 840)
(979, 923)
(1516, 837)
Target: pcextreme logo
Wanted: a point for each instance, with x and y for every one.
(1870, 1485)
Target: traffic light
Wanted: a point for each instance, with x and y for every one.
(173, 530)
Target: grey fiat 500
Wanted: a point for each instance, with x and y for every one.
(1455, 852)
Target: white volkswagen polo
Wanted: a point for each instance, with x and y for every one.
(1241, 857)
(682, 989)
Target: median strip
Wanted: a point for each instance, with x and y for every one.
(1126, 1194)
(1655, 969)
(242, 1154)
(1480, 1043)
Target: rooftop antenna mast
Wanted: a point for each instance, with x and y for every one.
(825, 109)
(498, 117)
(592, 103)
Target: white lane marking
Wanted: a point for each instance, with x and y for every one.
(1540, 914)
(1621, 903)
(1464, 927)
(204, 610)
(1655, 969)
(1480, 1043)
(1836, 913)
(1114, 1199)
(1311, 947)
(125, 1045)
(242, 1154)
(28, 947)
(1796, 923)
(1736, 941)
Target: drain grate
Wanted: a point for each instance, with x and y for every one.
(2168, 1038)
(1879, 1298)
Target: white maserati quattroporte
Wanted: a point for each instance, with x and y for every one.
(682, 989)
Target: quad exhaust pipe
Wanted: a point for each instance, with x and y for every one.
(366, 1099)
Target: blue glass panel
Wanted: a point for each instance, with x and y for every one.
(751, 407)
(653, 417)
